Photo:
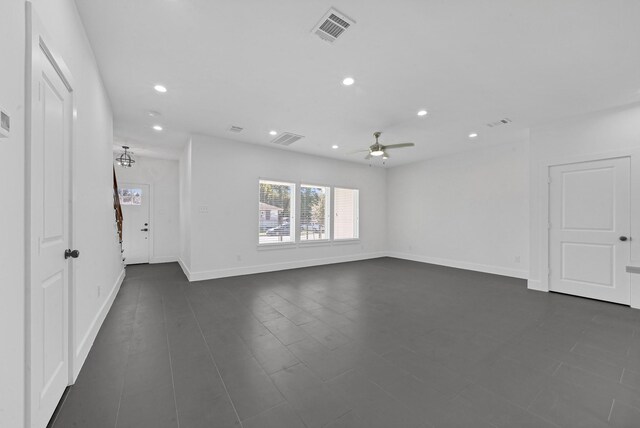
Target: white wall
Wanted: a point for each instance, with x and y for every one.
(608, 133)
(162, 176)
(12, 31)
(225, 178)
(185, 208)
(468, 210)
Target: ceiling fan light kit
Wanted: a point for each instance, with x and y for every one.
(377, 149)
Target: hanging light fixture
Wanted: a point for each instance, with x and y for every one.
(125, 160)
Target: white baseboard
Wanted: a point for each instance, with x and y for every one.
(185, 269)
(536, 284)
(497, 270)
(82, 350)
(163, 259)
(248, 270)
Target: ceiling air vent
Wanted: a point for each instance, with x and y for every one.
(234, 128)
(500, 122)
(332, 25)
(286, 139)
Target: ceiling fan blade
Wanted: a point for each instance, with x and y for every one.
(367, 157)
(397, 146)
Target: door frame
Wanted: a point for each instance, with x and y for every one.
(151, 209)
(38, 42)
(544, 210)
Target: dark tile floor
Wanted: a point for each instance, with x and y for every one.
(378, 343)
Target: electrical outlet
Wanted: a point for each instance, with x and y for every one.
(517, 259)
(239, 258)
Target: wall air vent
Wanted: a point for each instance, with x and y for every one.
(286, 139)
(500, 122)
(332, 25)
(236, 129)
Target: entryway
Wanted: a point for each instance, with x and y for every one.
(589, 226)
(135, 202)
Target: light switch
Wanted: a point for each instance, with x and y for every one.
(203, 209)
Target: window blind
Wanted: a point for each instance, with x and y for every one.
(314, 212)
(346, 216)
(276, 216)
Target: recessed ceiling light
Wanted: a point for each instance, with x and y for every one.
(335, 146)
(157, 127)
(273, 132)
(422, 113)
(154, 113)
(348, 81)
(160, 88)
(473, 135)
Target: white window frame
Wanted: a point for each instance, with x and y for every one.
(356, 236)
(328, 215)
(293, 213)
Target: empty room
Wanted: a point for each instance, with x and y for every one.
(308, 214)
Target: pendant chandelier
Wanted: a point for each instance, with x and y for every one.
(125, 160)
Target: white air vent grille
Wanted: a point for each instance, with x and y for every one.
(332, 25)
(286, 139)
(234, 128)
(500, 122)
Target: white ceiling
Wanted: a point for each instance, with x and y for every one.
(255, 64)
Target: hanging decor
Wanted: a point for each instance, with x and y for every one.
(125, 160)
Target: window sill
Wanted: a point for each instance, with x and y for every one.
(277, 246)
(346, 241)
(316, 243)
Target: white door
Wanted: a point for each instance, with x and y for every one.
(48, 236)
(589, 229)
(134, 199)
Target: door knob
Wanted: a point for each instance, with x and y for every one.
(623, 238)
(74, 254)
(144, 230)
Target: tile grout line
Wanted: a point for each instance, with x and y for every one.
(224, 385)
(128, 354)
(284, 368)
(613, 402)
(173, 384)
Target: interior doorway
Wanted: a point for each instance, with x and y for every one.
(135, 199)
(50, 254)
(589, 226)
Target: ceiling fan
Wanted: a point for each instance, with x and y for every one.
(377, 149)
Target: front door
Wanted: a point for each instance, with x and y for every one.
(589, 229)
(49, 237)
(134, 199)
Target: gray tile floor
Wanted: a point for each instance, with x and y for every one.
(378, 343)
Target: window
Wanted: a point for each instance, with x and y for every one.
(130, 196)
(345, 222)
(314, 212)
(276, 208)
